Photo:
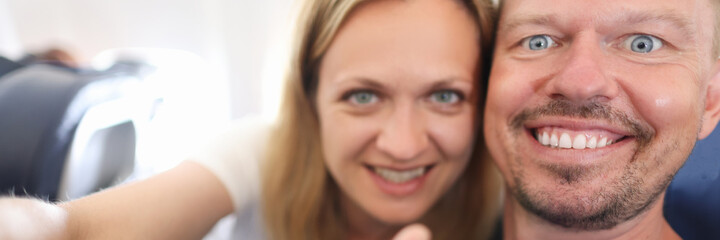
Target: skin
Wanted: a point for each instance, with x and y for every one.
(401, 56)
(661, 102)
(182, 203)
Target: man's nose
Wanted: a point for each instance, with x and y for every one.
(583, 77)
(403, 136)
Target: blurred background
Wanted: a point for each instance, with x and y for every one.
(94, 93)
(187, 67)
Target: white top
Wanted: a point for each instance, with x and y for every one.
(234, 157)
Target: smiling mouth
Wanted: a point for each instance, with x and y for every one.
(554, 137)
(399, 176)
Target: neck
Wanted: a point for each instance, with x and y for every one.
(361, 225)
(518, 223)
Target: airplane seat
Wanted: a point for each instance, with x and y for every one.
(7, 66)
(66, 133)
(692, 201)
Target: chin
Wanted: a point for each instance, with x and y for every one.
(399, 219)
(583, 205)
(399, 213)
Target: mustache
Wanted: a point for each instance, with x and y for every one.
(591, 111)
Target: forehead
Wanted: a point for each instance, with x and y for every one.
(422, 37)
(694, 15)
(592, 7)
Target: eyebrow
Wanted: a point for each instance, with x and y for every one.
(679, 22)
(513, 23)
(441, 83)
(449, 82)
(368, 82)
(626, 18)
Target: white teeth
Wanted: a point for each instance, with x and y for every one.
(545, 140)
(399, 176)
(602, 142)
(579, 142)
(565, 141)
(592, 143)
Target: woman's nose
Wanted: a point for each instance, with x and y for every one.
(403, 135)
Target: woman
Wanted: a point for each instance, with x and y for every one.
(381, 84)
(379, 129)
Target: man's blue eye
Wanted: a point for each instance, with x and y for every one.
(538, 42)
(643, 43)
(445, 97)
(363, 97)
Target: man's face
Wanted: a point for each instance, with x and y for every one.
(594, 105)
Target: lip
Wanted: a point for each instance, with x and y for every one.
(400, 189)
(397, 167)
(578, 125)
(576, 157)
(571, 156)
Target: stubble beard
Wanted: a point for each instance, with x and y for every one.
(574, 207)
(618, 201)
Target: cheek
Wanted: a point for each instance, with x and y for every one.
(344, 136)
(454, 135)
(668, 100)
(509, 90)
(339, 139)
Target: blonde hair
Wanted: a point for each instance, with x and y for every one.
(300, 198)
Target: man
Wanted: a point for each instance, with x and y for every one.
(592, 108)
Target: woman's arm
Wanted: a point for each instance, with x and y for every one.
(25, 218)
(182, 203)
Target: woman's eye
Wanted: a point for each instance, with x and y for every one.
(641, 43)
(446, 97)
(538, 42)
(363, 97)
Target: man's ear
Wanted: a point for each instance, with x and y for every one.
(711, 113)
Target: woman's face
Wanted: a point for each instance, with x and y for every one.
(397, 100)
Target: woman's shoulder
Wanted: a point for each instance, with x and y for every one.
(243, 136)
(234, 156)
